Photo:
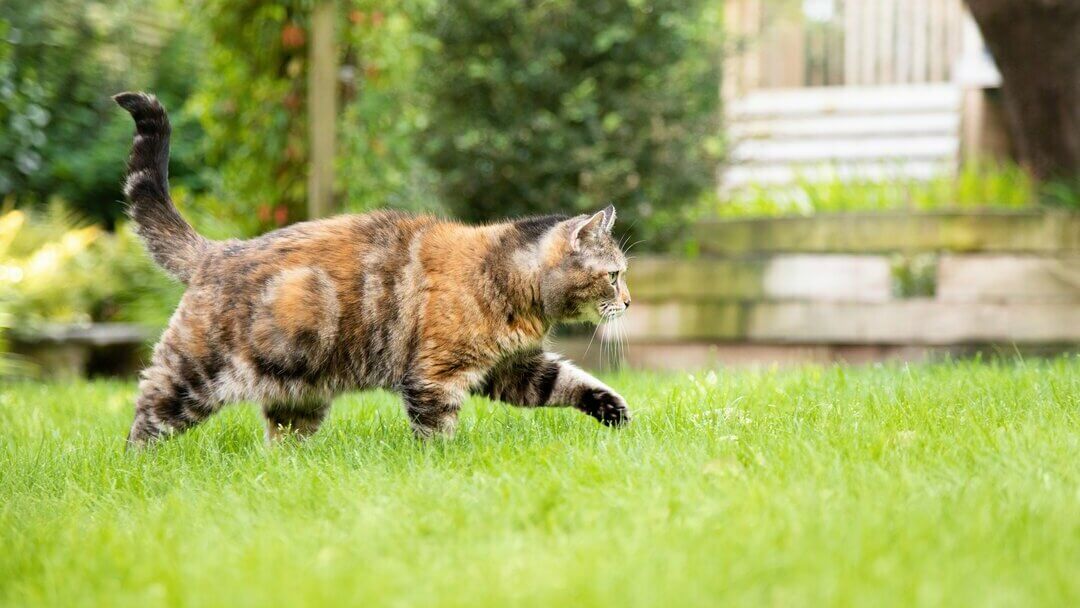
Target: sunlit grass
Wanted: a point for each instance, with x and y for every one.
(948, 484)
(972, 187)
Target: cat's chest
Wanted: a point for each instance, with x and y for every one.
(520, 333)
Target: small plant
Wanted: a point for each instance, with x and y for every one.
(976, 186)
(914, 276)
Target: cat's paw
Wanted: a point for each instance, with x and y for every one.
(606, 406)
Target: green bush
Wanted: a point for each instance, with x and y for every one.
(383, 113)
(57, 269)
(60, 60)
(561, 106)
(252, 104)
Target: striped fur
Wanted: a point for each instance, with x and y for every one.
(432, 309)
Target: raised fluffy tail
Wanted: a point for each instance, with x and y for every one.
(172, 242)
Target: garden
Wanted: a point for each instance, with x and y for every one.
(848, 388)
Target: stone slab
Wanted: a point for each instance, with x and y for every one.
(1000, 278)
(845, 278)
(916, 321)
(813, 277)
(974, 231)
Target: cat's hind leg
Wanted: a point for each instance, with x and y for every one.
(168, 403)
(300, 418)
(432, 407)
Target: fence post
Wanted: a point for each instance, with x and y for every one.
(322, 109)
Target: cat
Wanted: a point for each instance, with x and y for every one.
(432, 309)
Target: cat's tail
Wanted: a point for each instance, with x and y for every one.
(172, 241)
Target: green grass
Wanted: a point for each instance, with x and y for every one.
(975, 186)
(947, 484)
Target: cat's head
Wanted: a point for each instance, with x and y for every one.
(585, 277)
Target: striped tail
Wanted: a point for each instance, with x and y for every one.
(172, 242)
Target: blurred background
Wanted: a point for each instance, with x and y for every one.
(798, 180)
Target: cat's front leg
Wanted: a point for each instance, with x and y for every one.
(432, 407)
(604, 404)
(537, 379)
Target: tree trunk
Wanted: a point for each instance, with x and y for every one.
(1036, 44)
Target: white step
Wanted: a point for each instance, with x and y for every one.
(844, 149)
(931, 123)
(846, 100)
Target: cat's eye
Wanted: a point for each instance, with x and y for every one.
(613, 277)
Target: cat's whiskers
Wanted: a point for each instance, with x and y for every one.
(632, 245)
(595, 330)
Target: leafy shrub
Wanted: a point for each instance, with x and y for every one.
(253, 105)
(562, 106)
(384, 113)
(60, 60)
(56, 269)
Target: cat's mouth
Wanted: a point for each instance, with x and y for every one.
(609, 311)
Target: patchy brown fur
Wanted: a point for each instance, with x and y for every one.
(429, 308)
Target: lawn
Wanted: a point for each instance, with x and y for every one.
(945, 484)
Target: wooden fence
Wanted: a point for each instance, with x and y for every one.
(785, 44)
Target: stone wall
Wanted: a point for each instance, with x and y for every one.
(864, 285)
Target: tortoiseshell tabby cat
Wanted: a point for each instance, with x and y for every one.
(429, 308)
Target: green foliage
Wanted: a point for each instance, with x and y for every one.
(914, 276)
(384, 113)
(253, 106)
(561, 106)
(60, 60)
(1063, 193)
(976, 186)
(57, 269)
(951, 484)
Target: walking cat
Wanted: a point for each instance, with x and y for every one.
(429, 308)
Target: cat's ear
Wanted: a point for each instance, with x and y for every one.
(609, 218)
(584, 228)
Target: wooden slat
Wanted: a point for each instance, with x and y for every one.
(852, 41)
(752, 58)
(886, 50)
(867, 48)
(936, 48)
(835, 50)
(870, 42)
(904, 27)
(731, 85)
(954, 37)
(919, 40)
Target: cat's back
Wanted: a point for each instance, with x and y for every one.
(338, 245)
(322, 301)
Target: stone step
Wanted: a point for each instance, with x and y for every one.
(915, 321)
(1000, 278)
(1032, 231)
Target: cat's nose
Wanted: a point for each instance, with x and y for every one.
(626, 303)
